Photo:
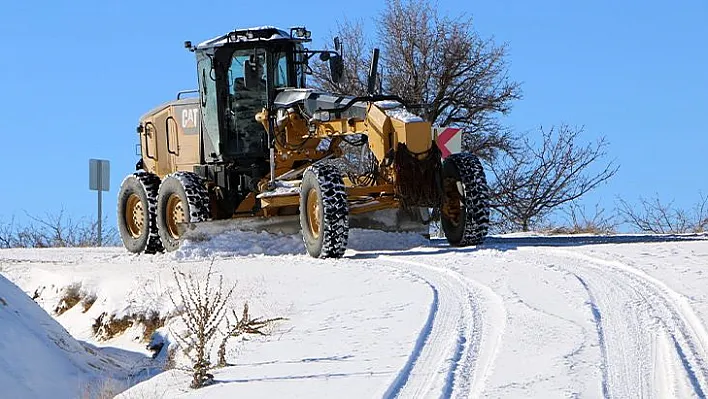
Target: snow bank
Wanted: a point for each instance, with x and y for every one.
(38, 357)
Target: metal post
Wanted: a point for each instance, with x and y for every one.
(100, 190)
(98, 183)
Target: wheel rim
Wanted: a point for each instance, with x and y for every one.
(453, 192)
(313, 213)
(175, 215)
(135, 216)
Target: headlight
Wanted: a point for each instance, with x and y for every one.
(321, 116)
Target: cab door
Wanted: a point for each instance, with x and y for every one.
(208, 106)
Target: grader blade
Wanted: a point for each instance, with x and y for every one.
(203, 231)
(391, 220)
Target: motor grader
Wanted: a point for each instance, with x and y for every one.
(259, 149)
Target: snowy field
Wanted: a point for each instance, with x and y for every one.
(399, 316)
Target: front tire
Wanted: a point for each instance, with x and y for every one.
(137, 201)
(182, 198)
(324, 211)
(464, 213)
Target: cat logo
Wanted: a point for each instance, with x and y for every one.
(189, 118)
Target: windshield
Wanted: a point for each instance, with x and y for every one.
(251, 74)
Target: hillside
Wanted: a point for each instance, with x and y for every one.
(520, 316)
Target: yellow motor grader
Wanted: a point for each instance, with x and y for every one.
(258, 148)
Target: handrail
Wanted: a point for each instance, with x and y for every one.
(147, 148)
(167, 134)
(179, 93)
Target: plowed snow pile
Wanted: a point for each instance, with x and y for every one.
(38, 357)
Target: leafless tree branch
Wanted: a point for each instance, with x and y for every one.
(55, 230)
(439, 63)
(651, 215)
(533, 180)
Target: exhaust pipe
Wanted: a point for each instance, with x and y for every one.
(373, 72)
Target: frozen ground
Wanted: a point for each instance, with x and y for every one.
(520, 316)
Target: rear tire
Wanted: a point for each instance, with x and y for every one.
(324, 211)
(137, 201)
(464, 214)
(182, 198)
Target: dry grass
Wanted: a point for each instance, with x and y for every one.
(71, 296)
(87, 302)
(103, 389)
(581, 221)
(106, 327)
(151, 322)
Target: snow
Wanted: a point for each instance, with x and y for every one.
(39, 359)
(282, 188)
(523, 315)
(395, 110)
(222, 39)
(388, 104)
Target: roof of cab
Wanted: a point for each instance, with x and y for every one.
(256, 34)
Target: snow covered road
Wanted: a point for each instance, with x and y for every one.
(525, 316)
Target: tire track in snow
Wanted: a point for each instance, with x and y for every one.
(402, 377)
(461, 343)
(597, 317)
(651, 339)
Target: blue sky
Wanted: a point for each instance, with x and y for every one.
(77, 75)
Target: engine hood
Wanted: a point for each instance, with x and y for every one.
(313, 100)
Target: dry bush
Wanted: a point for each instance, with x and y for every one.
(55, 230)
(242, 326)
(654, 216)
(579, 221)
(202, 307)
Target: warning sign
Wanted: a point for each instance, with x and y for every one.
(448, 139)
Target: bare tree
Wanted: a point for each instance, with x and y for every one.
(654, 216)
(203, 310)
(357, 58)
(531, 181)
(438, 63)
(7, 234)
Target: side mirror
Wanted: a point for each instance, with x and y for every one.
(336, 68)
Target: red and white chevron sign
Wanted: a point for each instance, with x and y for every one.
(449, 140)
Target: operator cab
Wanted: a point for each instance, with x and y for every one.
(240, 74)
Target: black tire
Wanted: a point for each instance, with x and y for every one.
(464, 213)
(326, 232)
(187, 191)
(137, 201)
